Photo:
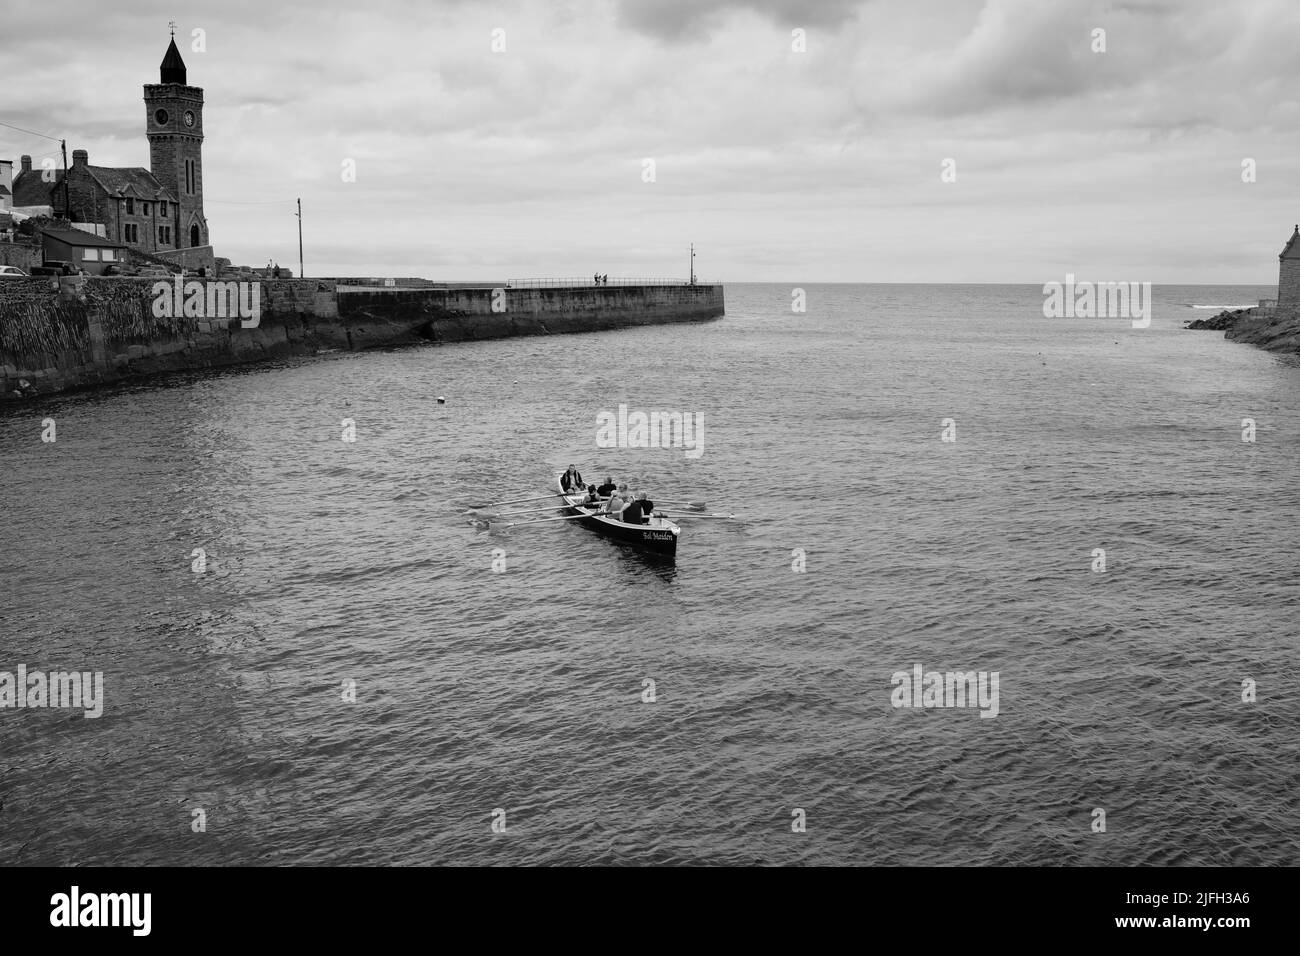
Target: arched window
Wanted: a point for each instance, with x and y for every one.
(194, 234)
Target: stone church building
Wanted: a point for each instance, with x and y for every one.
(157, 210)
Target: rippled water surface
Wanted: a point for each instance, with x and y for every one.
(330, 562)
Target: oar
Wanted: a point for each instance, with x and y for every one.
(515, 524)
(698, 505)
(693, 517)
(526, 511)
(516, 501)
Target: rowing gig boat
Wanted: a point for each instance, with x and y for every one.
(659, 535)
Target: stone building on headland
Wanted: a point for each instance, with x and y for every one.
(158, 211)
(1275, 323)
(1288, 274)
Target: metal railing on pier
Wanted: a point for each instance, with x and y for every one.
(588, 282)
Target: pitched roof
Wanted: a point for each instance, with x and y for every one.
(4, 190)
(76, 237)
(172, 69)
(1292, 248)
(31, 190)
(130, 180)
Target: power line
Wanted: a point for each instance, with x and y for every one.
(254, 202)
(63, 145)
(32, 132)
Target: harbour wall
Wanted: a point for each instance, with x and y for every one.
(73, 333)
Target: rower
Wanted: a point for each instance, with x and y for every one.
(639, 510)
(617, 499)
(593, 499)
(608, 488)
(571, 480)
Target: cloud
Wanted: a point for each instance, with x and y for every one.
(683, 19)
(528, 161)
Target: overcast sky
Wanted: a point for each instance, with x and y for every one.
(822, 165)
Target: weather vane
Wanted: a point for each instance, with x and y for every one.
(172, 25)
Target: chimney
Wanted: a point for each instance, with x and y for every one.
(80, 157)
(27, 163)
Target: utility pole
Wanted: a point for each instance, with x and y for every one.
(63, 145)
(692, 263)
(300, 268)
(67, 203)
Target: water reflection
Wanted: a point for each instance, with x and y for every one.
(646, 565)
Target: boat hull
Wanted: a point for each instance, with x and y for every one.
(659, 537)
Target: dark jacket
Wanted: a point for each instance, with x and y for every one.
(637, 512)
(570, 485)
(607, 489)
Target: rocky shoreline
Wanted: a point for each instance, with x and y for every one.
(1219, 323)
(1277, 331)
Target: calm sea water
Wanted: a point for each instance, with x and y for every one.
(331, 562)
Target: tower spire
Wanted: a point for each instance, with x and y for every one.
(173, 67)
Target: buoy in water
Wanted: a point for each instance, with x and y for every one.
(441, 400)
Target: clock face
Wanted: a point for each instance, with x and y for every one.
(160, 117)
(189, 118)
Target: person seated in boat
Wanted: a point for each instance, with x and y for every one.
(608, 488)
(617, 499)
(638, 511)
(593, 499)
(571, 480)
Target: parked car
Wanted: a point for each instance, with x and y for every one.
(54, 267)
(12, 272)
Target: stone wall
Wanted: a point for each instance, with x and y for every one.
(20, 254)
(191, 259)
(98, 330)
(77, 332)
(456, 315)
(411, 283)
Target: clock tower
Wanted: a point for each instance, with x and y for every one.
(174, 125)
